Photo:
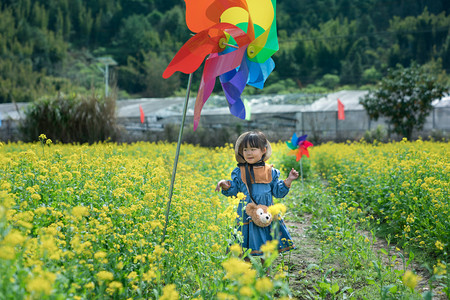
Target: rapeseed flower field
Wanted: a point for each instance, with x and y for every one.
(403, 186)
(84, 222)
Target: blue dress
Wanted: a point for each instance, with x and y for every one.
(255, 236)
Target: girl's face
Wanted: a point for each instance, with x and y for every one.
(253, 155)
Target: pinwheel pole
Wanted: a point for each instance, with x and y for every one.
(301, 171)
(177, 154)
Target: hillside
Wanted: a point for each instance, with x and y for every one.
(50, 46)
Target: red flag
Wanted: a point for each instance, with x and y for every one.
(341, 114)
(142, 114)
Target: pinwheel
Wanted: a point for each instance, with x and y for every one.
(239, 36)
(299, 147)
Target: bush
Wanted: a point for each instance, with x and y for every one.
(379, 134)
(71, 119)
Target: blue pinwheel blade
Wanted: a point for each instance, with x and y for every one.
(259, 72)
(294, 139)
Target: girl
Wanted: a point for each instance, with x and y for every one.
(252, 149)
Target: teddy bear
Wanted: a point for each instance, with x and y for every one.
(259, 214)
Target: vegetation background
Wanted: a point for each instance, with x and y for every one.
(51, 46)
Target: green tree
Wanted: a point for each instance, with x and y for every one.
(404, 97)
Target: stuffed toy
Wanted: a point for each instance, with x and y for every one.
(259, 214)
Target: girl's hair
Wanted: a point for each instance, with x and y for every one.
(253, 139)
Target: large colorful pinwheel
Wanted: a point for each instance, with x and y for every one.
(299, 146)
(239, 36)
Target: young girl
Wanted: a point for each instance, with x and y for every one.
(252, 149)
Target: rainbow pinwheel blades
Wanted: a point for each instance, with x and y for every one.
(239, 37)
(299, 146)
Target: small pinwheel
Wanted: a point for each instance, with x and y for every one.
(299, 146)
(239, 36)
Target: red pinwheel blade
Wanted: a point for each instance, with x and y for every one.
(193, 52)
(303, 151)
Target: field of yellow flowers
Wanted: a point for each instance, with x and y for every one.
(404, 186)
(84, 222)
(379, 221)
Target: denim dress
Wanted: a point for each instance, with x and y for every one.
(255, 236)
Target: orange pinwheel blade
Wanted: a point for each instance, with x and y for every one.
(202, 14)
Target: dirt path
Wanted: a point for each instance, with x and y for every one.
(307, 253)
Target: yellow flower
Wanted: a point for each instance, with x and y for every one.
(114, 286)
(276, 209)
(246, 291)
(225, 296)
(80, 211)
(238, 269)
(36, 197)
(39, 285)
(440, 269)
(42, 284)
(7, 252)
(439, 245)
(14, 238)
(105, 275)
(89, 286)
(270, 246)
(236, 249)
(263, 285)
(241, 196)
(149, 276)
(410, 279)
(215, 247)
(169, 293)
(132, 275)
(100, 254)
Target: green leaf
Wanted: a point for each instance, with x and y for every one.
(335, 288)
(312, 266)
(393, 289)
(427, 295)
(383, 251)
(324, 286)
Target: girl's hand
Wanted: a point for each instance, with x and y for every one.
(293, 174)
(224, 184)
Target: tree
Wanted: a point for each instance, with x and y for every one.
(404, 97)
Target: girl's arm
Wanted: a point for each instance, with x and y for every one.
(224, 184)
(230, 187)
(280, 187)
(292, 176)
